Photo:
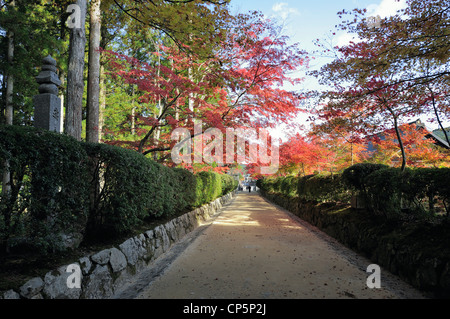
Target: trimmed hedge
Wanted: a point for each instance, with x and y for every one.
(321, 188)
(229, 184)
(211, 185)
(387, 191)
(355, 176)
(45, 200)
(124, 187)
(62, 186)
(421, 192)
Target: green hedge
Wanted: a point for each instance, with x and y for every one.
(132, 188)
(211, 185)
(421, 191)
(322, 188)
(387, 191)
(228, 184)
(355, 176)
(49, 187)
(61, 186)
(271, 185)
(124, 183)
(186, 183)
(286, 185)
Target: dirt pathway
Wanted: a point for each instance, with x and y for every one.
(255, 250)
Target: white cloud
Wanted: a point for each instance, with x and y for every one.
(283, 10)
(386, 8)
(345, 39)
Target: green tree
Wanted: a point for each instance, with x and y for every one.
(36, 29)
(29, 31)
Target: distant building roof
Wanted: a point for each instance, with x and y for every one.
(437, 135)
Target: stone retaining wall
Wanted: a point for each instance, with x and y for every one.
(107, 271)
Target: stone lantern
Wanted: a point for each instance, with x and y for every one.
(47, 105)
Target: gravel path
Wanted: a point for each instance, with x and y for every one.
(255, 250)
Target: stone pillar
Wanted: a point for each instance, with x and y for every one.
(47, 105)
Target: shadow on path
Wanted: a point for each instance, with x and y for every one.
(254, 249)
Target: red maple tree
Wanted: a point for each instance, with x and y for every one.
(239, 86)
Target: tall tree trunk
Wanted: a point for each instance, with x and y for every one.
(6, 178)
(351, 151)
(75, 76)
(62, 78)
(400, 143)
(191, 95)
(103, 44)
(191, 78)
(133, 111)
(177, 109)
(10, 77)
(102, 101)
(433, 101)
(397, 132)
(3, 98)
(157, 134)
(93, 89)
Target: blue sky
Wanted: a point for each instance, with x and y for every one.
(306, 21)
(312, 19)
